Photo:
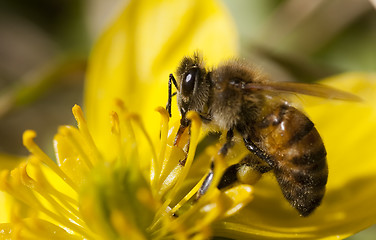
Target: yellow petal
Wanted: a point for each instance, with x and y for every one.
(238, 196)
(7, 162)
(348, 130)
(133, 58)
(34, 229)
(6, 230)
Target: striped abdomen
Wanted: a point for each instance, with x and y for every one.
(297, 156)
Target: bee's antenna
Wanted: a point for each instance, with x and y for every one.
(170, 95)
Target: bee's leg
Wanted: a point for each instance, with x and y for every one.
(255, 163)
(229, 143)
(186, 147)
(229, 177)
(170, 94)
(249, 169)
(184, 124)
(223, 152)
(206, 184)
(251, 146)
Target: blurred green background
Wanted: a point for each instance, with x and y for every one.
(44, 47)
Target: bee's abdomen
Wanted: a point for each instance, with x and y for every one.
(298, 155)
(303, 175)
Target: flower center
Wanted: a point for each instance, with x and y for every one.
(87, 195)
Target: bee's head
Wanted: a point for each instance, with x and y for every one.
(193, 85)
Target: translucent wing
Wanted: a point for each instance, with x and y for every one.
(317, 90)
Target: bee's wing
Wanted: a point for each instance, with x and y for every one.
(317, 90)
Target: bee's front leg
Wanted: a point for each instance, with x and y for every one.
(171, 80)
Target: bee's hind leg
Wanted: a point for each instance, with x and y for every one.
(249, 170)
(223, 152)
(251, 146)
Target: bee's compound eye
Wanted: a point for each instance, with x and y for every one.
(189, 82)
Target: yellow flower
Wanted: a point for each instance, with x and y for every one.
(86, 196)
(119, 178)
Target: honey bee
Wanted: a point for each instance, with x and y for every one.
(236, 97)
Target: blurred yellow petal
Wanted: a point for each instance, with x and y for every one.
(133, 58)
(28, 228)
(348, 130)
(3, 214)
(238, 196)
(7, 162)
(6, 230)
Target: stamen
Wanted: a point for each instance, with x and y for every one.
(68, 158)
(188, 196)
(120, 104)
(154, 167)
(213, 204)
(82, 126)
(35, 228)
(115, 129)
(115, 123)
(203, 212)
(195, 131)
(141, 126)
(130, 137)
(43, 186)
(28, 141)
(72, 134)
(163, 142)
(43, 191)
(22, 188)
(70, 219)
